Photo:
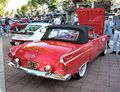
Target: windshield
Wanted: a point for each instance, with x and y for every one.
(32, 28)
(63, 34)
(11, 21)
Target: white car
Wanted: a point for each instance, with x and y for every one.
(32, 32)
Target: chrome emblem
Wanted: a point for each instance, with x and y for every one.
(33, 56)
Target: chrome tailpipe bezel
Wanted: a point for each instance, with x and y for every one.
(15, 63)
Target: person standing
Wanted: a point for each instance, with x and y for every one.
(1, 29)
(75, 20)
(109, 28)
(7, 26)
(116, 46)
(57, 20)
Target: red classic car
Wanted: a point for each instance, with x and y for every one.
(64, 51)
(17, 24)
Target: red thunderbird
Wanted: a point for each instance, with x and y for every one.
(64, 50)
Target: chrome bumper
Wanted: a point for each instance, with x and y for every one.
(42, 74)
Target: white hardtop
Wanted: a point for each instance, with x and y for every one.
(40, 23)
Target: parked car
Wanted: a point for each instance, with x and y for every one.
(32, 32)
(60, 54)
(64, 50)
(17, 25)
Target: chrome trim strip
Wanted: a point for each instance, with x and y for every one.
(42, 74)
(75, 57)
(75, 50)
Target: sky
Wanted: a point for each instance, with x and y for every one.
(14, 4)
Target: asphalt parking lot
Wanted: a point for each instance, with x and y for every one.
(103, 75)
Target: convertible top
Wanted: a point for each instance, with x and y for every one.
(82, 29)
(74, 27)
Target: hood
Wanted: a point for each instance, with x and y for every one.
(94, 17)
(47, 51)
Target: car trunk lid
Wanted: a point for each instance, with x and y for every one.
(47, 52)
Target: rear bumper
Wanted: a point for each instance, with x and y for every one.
(41, 73)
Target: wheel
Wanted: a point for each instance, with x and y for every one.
(81, 72)
(105, 51)
(16, 29)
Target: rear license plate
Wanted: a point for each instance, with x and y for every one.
(32, 64)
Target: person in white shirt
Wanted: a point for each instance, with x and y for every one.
(75, 20)
(57, 21)
(116, 39)
(109, 28)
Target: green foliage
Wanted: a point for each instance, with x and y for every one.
(42, 1)
(2, 6)
(18, 11)
(52, 5)
(29, 7)
(65, 5)
(1, 10)
(33, 5)
(24, 9)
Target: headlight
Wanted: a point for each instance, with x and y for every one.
(48, 68)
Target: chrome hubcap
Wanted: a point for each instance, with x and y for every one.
(105, 52)
(83, 70)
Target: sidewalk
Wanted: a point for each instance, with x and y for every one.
(2, 75)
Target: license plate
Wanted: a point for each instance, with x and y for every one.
(32, 64)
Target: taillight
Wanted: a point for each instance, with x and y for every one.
(62, 65)
(10, 55)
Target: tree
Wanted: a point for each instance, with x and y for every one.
(19, 12)
(65, 5)
(2, 6)
(24, 9)
(32, 5)
(6, 13)
(41, 2)
(52, 5)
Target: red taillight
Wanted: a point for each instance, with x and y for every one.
(62, 66)
(10, 55)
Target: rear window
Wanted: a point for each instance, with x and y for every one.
(63, 34)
